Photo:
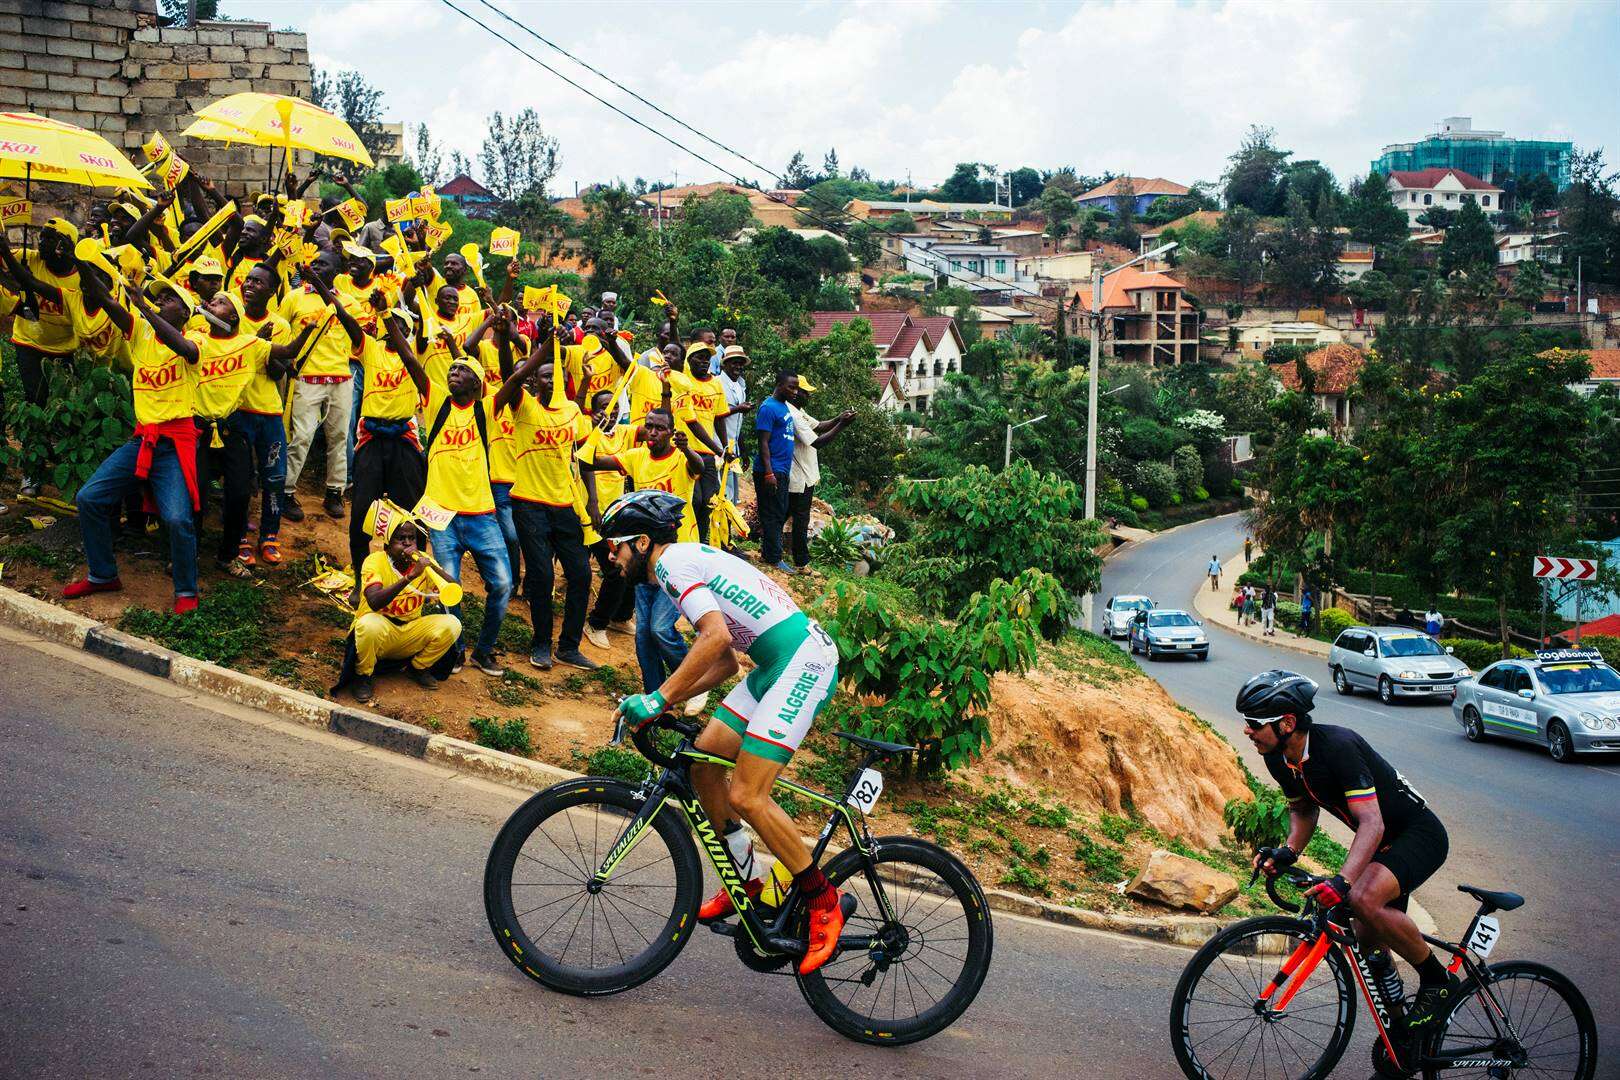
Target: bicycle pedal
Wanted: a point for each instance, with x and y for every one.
(723, 928)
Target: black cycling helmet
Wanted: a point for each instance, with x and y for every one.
(1275, 693)
(653, 514)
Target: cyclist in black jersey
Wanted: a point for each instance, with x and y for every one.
(1399, 842)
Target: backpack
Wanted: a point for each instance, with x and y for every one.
(438, 426)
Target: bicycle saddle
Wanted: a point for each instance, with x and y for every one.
(1503, 901)
(876, 744)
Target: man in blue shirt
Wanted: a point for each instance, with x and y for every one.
(774, 423)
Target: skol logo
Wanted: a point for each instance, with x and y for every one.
(457, 438)
(345, 144)
(157, 378)
(388, 380)
(548, 437)
(96, 161)
(7, 146)
(220, 366)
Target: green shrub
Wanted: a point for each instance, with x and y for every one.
(1175, 499)
(614, 761)
(1125, 515)
(1200, 494)
(1100, 860)
(512, 735)
(1606, 644)
(1189, 469)
(1335, 621)
(1287, 613)
(1139, 504)
(87, 414)
(229, 624)
(996, 525)
(835, 545)
(1285, 354)
(1157, 483)
(1261, 821)
(1481, 654)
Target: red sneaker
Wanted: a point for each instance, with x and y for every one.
(826, 923)
(84, 587)
(719, 906)
(183, 604)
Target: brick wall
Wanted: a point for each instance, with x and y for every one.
(109, 67)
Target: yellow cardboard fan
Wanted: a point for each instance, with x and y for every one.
(475, 262)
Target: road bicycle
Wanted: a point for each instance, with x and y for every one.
(1273, 997)
(592, 887)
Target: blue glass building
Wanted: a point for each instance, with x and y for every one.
(1489, 155)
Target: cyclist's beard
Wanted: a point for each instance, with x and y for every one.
(637, 573)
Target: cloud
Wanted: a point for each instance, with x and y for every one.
(1154, 88)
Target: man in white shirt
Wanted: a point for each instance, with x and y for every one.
(811, 434)
(730, 433)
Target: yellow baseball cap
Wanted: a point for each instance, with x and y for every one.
(697, 348)
(65, 228)
(806, 384)
(207, 266)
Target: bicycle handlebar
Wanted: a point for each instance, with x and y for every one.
(1299, 877)
(643, 742)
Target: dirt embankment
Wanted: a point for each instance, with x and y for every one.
(1113, 747)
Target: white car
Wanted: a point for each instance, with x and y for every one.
(1120, 610)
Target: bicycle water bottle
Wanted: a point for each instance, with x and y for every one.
(776, 885)
(1388, 980)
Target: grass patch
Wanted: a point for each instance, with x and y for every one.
(1107, 864)
(61, 564)
(229, 624)
(614, 761)
(515, 635)
(613, 682)
(511, 736)
(1326, 850)
(1114, 827)
(433, 723)
(1027, 878)
(514, 689)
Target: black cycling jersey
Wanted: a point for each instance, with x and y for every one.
(1339, 769)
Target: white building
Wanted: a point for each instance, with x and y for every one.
(1516, 248)
(1254, 338)
(984, 268)
(912, 355)
(1416, 193)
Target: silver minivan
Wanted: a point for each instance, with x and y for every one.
(1395, 662)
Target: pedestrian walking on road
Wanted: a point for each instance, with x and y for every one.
(1305, 613)
(1214, 574)
(1248, 549)
(1268, 613)
(1248, 605)
(1433, 621)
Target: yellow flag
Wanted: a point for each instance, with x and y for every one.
(419, 206)
(294, 212)
(173, 169)
(658, 298)
(353, 213)
(156, 148)
(15, 211)
(397, 210)
(536, 298)
(436, 233)
(435, 205)
(503, 241)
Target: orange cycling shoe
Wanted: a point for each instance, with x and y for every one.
(719, 906)
(244, 552)
(826, 923)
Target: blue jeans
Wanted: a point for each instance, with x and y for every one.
(101, 497)
(660, 648)
(503, 514)
(479, 534)
(267, 435)
(359, 384)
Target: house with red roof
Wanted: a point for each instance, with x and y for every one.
(1416, 193)
(468, 194)
(1147, 317)
(912, 354)
(1334, 370)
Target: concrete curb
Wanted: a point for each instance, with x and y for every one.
(1214, 608)
(48, 622)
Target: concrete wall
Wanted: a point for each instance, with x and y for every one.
(109, 67)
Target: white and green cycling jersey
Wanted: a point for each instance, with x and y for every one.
(795, 662)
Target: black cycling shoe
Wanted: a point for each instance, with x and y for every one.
(1431, 1004)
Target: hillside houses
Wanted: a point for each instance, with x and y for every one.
(912, 354)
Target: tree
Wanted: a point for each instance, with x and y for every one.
(429, 156)
(1470, 244)
(901, 222)
(1026, 184)
(460, 164)
(1436, 217)
(1374, 289)
(354, 101)
(177, 12)
(1293, 267)
(1253, 176)
(1591, 218)
(1372, 217)
(1312, 181)
(829, 165)
(1529, 284)
(1537, 192)
(517, 157)
(864, 244)
(1124, 231)
(797, 175)
(964, 185)
(721, 215)
(1058, 207)
(1241, 247)
(786, 258)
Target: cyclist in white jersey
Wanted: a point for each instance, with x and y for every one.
(761, 722)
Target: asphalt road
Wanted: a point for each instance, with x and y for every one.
(1517, 819)
(192, 889)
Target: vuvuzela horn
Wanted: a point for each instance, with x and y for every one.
(380, 515)
(450, 592)
(475, 262)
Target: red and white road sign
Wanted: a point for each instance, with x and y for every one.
(1550, 566)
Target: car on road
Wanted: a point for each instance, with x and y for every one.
(1120, 610)
(1393, 662)
(1567, 700)
(1168, 632)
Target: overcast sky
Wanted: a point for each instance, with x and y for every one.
(1153, 89)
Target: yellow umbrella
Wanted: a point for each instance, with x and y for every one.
(277, 120)
(34, 147)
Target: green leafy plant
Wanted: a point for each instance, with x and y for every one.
(836, 545)
(1157, 483)
(1335, 621)
(1139, 504)
(1026, 877)
(229, 624)
(1100, 860)
(614, 761)
(1482, 654)
(511, 736)
(1261, 821)
(87, 414)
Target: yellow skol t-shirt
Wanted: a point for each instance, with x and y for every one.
(161, 380)
(458, 468)
(263, 393)
(387, 392)
(681, 396)
(609, 482)
(667, 473)
(502, 441)
(96, 332)
(544, 440)
(378, 569)
(707, 399)
(52, 332)
(224, 368)
(436, 355)
(329, 349)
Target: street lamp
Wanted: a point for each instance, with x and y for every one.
(1006, 458)
(1091, 395)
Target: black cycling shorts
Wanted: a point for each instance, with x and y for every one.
(1416, 853)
